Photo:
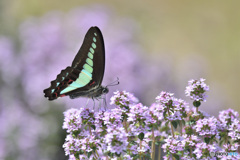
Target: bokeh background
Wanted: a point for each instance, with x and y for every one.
(150, 45)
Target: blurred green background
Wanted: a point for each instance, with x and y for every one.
(196, 38)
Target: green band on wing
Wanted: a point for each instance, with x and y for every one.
(68, 89)
(88, 68)
(84, 78)
(53, 90)
(89, 61)
(87, 73)
(94, 45)
(90, 55)
(95, 34)
(76, 85)
(66, 74)
(63, 78)
(91, 50)
(94, 39)
(57, 84)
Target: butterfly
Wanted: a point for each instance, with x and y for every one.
(84, 77)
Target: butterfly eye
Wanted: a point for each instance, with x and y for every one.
(105, 90)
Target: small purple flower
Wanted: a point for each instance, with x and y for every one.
(173, 145)
(123, 98)
(72, 120)
(226, 117)
(116, 140)
(231, 150)
(170, 107)
(197, 89)
(207, 127)
(143, 146)
(203, 150)
(127, 157)
(113, 117)
(137, 119)
(234, 130)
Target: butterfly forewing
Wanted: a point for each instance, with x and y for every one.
(86, 72)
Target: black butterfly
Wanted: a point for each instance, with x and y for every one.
(85, 76)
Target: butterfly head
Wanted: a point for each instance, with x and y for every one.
(105, 90)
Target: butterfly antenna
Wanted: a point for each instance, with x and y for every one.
(114, 83)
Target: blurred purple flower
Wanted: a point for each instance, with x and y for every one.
(72, 120)
(50, 43)
(227, 116)
(197, 89)
(173, 145)
(207, 127)
(203, 150)
(123, 98)
(174, 109)
(46, 46)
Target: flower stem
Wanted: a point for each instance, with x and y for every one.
(125, 124)
(171, 125)
(153, 145)
(141, 149)
(159, 151)
(191, 152)
(90, 131)
(181, 128)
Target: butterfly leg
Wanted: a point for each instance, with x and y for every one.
(99, 105)
(105, 102)
(93, 103)
(87, 102)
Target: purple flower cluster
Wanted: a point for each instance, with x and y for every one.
(170, 107)
(197, 89)
(123, 98)
(108, 131)
(203, 150)
(133, 131)
(173, 144)
(207, 127)
(138, 119)
(231, 150)
(72, 122)
(230, 124)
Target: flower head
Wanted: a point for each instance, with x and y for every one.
(197, 89)
(123, 99)
(170, 107)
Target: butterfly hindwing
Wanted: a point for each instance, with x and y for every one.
(87, 70)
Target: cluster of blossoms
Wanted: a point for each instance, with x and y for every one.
(196, 90)
(207, 127)
(171, 107)
(134, 131)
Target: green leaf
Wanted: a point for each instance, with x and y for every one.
(164, 113)
(207, 140)
(141, 136)
(93, 126)
(118, 155)
(176, 156)
(196, 103)
(183, 123)
(89, 154)
(174, 123)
